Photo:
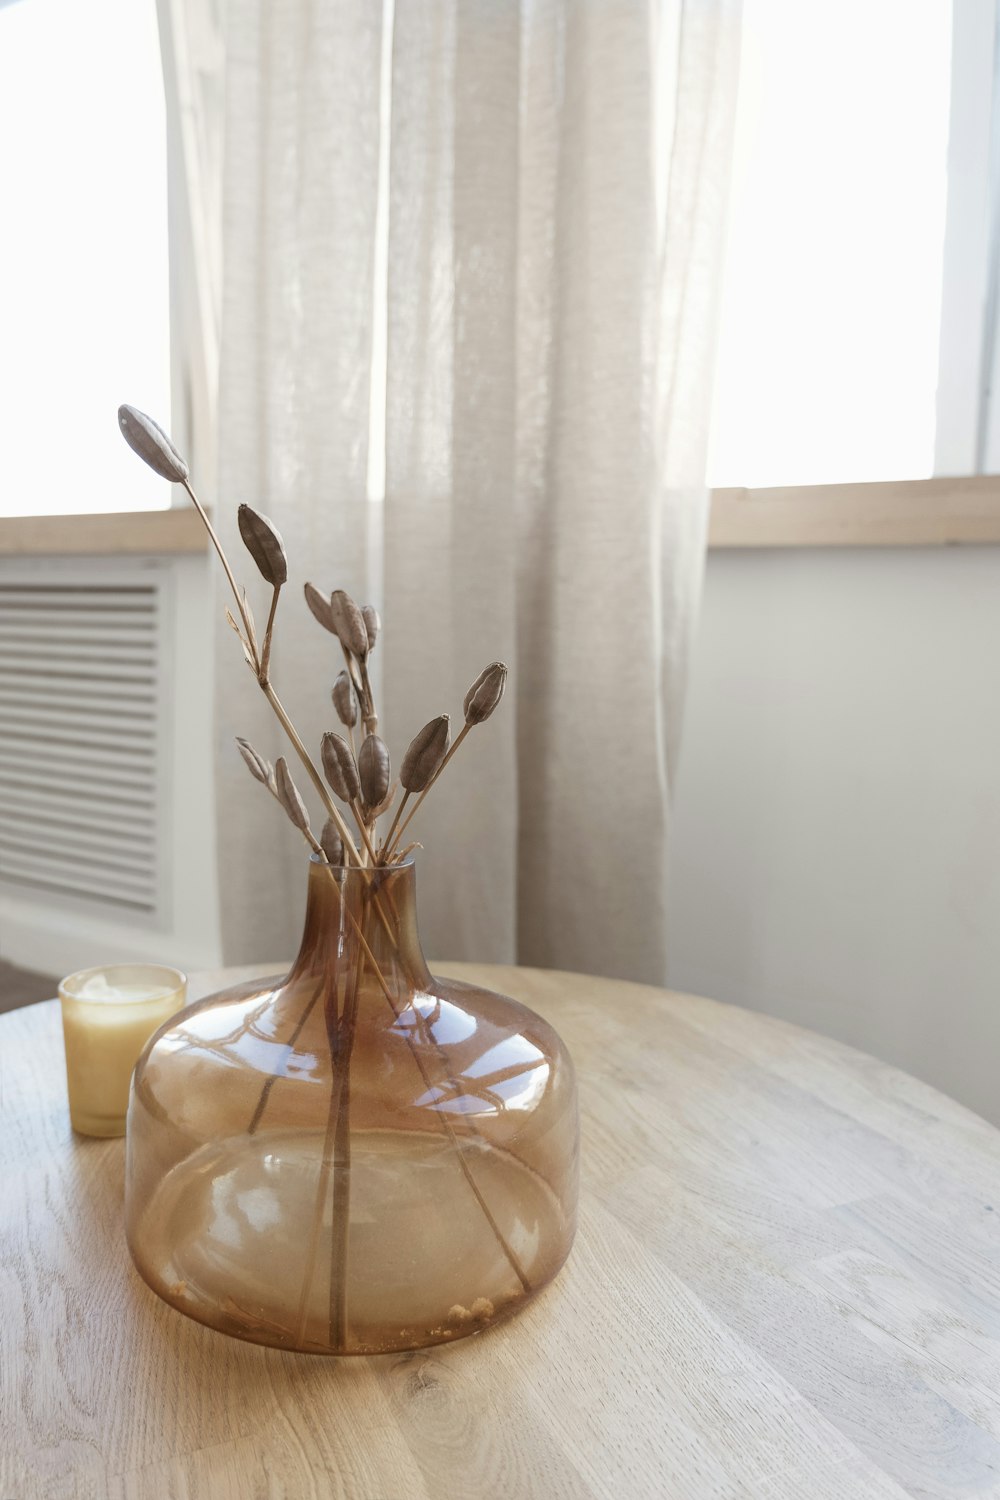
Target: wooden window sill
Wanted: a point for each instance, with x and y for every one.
(901, 513)
(146, 532)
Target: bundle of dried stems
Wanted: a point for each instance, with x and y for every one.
(355, 778)
(360, 778)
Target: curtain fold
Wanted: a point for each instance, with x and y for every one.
(556, 222)
(553, 198)
(301, 190)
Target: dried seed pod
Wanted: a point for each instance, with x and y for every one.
(288, 795)
(148, 439)
(386, 802)
(374, 770)
(373, 623)
(263, 542)
(340, 767)
(349, 623)
(426, 751)
(485, 693)
(331, 843)
(257, 765)
(320, 606)
(344, 700)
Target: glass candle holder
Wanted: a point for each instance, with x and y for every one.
(109, 1013)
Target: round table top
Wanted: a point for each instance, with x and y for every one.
(786, 1286)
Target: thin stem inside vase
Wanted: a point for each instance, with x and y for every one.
(342, 1160)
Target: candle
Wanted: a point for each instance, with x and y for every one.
(108, 1016)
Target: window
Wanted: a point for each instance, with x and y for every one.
(854, 345)
(84, 297)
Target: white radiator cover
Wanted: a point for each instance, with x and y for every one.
(82, 770)
(106, 806)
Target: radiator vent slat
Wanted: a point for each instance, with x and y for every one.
(93, 821)
(96, 871)
(38, 651)
(63, 776)
(79, 806)
(29, 748)
(41, 666)
(81, 763)
(33, 824)
(110, 725)
(81, 854)
(65, 882)
(20, 786)
(53, 693)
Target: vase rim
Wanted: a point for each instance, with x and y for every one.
(409, 863)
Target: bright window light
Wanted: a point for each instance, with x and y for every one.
(828, 359)
(84, 311)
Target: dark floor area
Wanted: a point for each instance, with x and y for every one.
(18, 987)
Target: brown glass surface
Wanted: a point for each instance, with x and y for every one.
(357, 1158)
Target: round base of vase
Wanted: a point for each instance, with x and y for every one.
(439, 1246)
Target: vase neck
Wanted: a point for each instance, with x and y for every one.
(369, 913)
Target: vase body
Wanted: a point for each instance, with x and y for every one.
(356, 1158)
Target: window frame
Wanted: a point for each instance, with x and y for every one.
(960, 504)
(967, 437)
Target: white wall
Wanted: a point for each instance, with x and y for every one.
(836, 841)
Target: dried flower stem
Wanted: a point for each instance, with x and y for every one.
(265, 658)
(358, 812)
(331, 809)
(317, 849)
(336, 818)
(387, 841)
(261, 673)
(387, 850)
(324, 1178)
(355, 680)
(342, 1161)
(263, 679)
(368, 711)
(251, 629)
(427, 1037)
(247, 625)
(338, 1286)
(357, 671)
(336, 1143)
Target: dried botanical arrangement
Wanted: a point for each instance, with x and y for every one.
(371, 1111)
(359, 777)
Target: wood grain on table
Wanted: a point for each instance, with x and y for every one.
(786, 1286)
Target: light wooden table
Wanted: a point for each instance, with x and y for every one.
(786, 1286)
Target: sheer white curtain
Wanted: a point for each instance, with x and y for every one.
(192, 48)
(533, 298)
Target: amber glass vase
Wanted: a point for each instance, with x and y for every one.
(359, 1157)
